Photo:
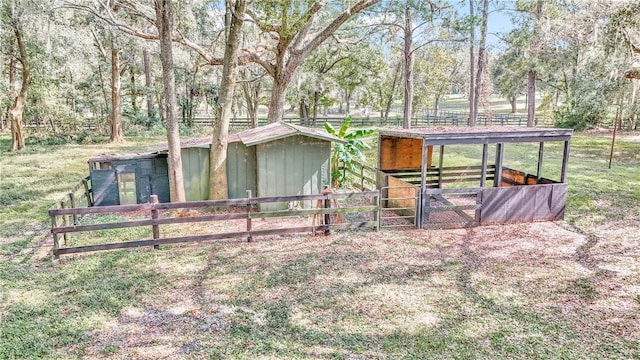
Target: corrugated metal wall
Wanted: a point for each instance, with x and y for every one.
(296, 165)
(241, 170)
(195, 168)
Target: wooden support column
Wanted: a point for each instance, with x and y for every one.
(249, 225)
(440, 165)
(56, 239)
(155, 215)
(327, 205)
(497, 178)
(65, 221)
(87, 193)
(540, 154)
(485, 153)
(423, 184)
(72, 202)
(565, 161)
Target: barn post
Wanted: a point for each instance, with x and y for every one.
(440, 165)
(497, 177)
(565, 161)
(249, 237)
(72, 202)
(423, 184)
(154, 216)
(540, 153)
(65, 220)
(327, 205)
(56, 239)
(485, 153)
(87, 193)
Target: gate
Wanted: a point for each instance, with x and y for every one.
(398, 206)
(450, 208)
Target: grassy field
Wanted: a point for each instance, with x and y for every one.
(566, 290)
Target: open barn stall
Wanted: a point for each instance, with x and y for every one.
(459, 177)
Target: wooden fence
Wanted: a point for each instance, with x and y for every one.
(64, 220)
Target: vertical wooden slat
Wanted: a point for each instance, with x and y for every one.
(249, 225)
(155, 215)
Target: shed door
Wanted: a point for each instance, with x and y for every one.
(103, 187)
(296, 165)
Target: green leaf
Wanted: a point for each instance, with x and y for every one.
(329, 128)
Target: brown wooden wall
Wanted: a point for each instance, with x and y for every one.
(402, 153)
(400, 197)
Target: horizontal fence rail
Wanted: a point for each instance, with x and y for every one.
(328, 214)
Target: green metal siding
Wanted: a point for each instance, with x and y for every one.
(160, 179)
(297, 165)
(241, 170)
(195, 168)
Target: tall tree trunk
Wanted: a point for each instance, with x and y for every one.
(514, 104)
(11, 89)
(276, 103)
(251, 92)
(394, 84)
(105, 95)
(116, 107)
(316, 97)
(164, 16)
(408, 68)
(148, 83)
(531, 76)
(134, 88)
(17, 108)
(472, 60)
(481, 59)
(218, 155)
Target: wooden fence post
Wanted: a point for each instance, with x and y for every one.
(327, 205)
(56, 239)
(72, 202)
(154, 216)
(65, 221)
(85, 182)
(376, 212)
(249, 238)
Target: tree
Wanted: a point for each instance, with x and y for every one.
(291, 25)
(164, 23)
(218, 154)
(17, 107)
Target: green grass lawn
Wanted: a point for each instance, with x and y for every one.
(546, 290)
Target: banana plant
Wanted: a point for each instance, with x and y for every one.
(348, 152)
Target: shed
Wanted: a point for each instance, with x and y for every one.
(278, 159)
(480, 189)
(128, 179)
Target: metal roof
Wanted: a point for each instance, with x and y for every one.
(279, 130)
(480, 135)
